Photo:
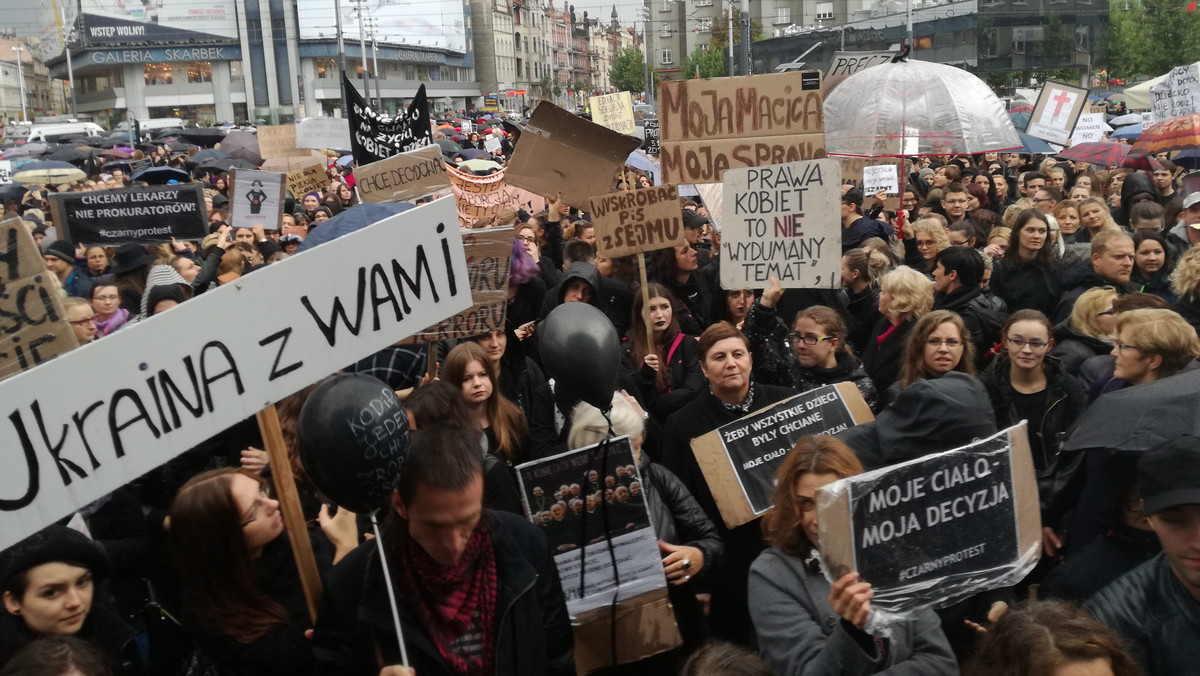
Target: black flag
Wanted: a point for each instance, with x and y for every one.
(372, 138)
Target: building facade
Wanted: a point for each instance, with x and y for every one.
(43, 95)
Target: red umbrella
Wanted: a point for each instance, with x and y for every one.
(1140, 161)
(115, 154)
(1177, 133)
(1099, 153)
(1021, 109)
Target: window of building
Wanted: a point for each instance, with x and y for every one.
(666, 5)
(704, 3)
(664, 57)
(783, 15)
(326, 68)
(664, 31)
(157, 73)
(824, 10)
(235, 71)
(199, 71)
(703, 25)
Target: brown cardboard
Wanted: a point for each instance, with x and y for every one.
(307, 179)
(286, 164)
(561, 152)
(401, 177)
(747, 107)
(719, 473)
(645, 626)
(705, 161)
(15, 235)
(33, 323)
(852, 174)
(634, 221)
(480, 198)
(489, 253)
(279, 141)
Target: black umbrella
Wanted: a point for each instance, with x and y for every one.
(68, 155)
(162, 175)
(178, 146)
(225, 164)
(244, 146)
(447, 145)
(11, 192)
(1141, 417)
(206, 155)
(206, 137)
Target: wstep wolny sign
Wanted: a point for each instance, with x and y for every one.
(372, 138)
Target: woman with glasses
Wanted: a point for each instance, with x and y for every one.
(241, 590)
(929, 237)
(818, 354)
(904, 295)
(1089, 331)
(938, 344)
(804, 623)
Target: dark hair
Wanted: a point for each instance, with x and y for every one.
(913, 367)
(854, 198)
(1037, 637)
(828, 319)
(1012, 256)
(954, 187)
(439, 457)
(720, 658)
(1145, 211)
(508, 421)
(1155, 236)
(577, 250)
(1054, 193)
(53, 655)
(964, 260)
(1031, 176)
(639, 348)
(811, 455)
(715, 334)
(1028, 316)
(1139, 301)
(440, 404)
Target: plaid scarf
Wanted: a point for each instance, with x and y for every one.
(451, 600)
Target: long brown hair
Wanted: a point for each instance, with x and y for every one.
(508, 422)
(640, 348)
(913, 368)
(811, 455)
(218, 575)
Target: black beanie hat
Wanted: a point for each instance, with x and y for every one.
(50, 545)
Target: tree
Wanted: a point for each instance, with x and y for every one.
(628, 71)
(1150, 37)
(710, 62)
(720, 30)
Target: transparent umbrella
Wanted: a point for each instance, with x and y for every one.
(915, 108)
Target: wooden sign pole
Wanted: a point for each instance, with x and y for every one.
(289, 504)
(646, 308)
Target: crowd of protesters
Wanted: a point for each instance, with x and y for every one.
(1004, 290)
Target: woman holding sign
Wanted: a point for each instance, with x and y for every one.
(805, 624)
(668, 373)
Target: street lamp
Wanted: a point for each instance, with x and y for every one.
(21, 81)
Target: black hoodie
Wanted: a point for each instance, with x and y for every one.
(1135, 183)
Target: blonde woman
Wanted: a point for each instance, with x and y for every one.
(1185, 280)
(904, 295)
(1089, 331)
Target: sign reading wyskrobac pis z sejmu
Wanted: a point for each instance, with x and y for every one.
(634, 221)
(782, 221)
(33, 324)
(151, 391)
(937, 528)
(739, 460)
(147, 215)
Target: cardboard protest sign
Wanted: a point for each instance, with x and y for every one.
(740, 460)
(634, 221)
(853, 169)
(1090, 128)
(652, 138)
(481, 197)
(278, 141)
(712, 125)
(586, 501)
(289, 164)
(782, 221)
(1177, 95)
(489, 254)
(645, 626)
(153, 390)
(933, 530)
(373, 138)
(152, 214)
(491, 144)
(32, 320)
(6, 171)
(138, 166)
(614, 111)
(401, 177)
(1058, 108)
(845, 64)
(562, 152)
(256, 198)
(306, 179)
(713, 196)
(323, 132)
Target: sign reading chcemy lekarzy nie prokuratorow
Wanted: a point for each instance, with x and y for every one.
(151, 214)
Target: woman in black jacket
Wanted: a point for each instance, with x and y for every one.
(668, 374)
(1088, 332)
(1027, 277)
(861, 271)
(904, 295)
(523, 383)
(690, 543)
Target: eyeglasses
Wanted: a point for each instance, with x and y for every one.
(809, 339)
(526, 239)
(938, 342)
(107, 296)
(1034, 345)
(1039, 200)
(82, 322)
(256, 508)
(1121, 347)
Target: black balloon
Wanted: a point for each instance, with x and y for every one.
(581, 351)
(353, 438)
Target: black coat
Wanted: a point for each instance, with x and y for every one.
(103, 629)
(1073, 347)
(863, 310)
(1075, 282)
(983, 314)
(1188, 307)
(1026, 287)
(533, 631)
(687, 380)
(882, 362)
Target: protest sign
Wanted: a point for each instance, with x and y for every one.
(6, 171)
(739, 460)
(845, 64)
(467, 127)
(278, 141)
(144, 214)
(712, 125)
(401, 177)
(651, 142)
(879, 177)
(489, 254)
(481, 197)
(256, 198)
(323, 132)
(307, 179)
(561, 152)
(373, 138)
(614, 111)
(142, 396)
(1177, 95)
(32, 319)
(1090, 128)
(782, 221)
(634, 221)
(713, 196)
(935, 529)
(644, 626)
(1058, 108)
(586, 501)
(138, 166)
(1147, 119)
(853, 169)
(491, 144)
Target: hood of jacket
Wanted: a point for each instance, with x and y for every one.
(1063, 331)
(1135, 183)
(585, 271)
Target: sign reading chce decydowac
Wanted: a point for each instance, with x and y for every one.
(152, 214)
(153, 390)
(401, 177)
(937, 528)
(782, 221)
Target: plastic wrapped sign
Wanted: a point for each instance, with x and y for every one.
(931, 531)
